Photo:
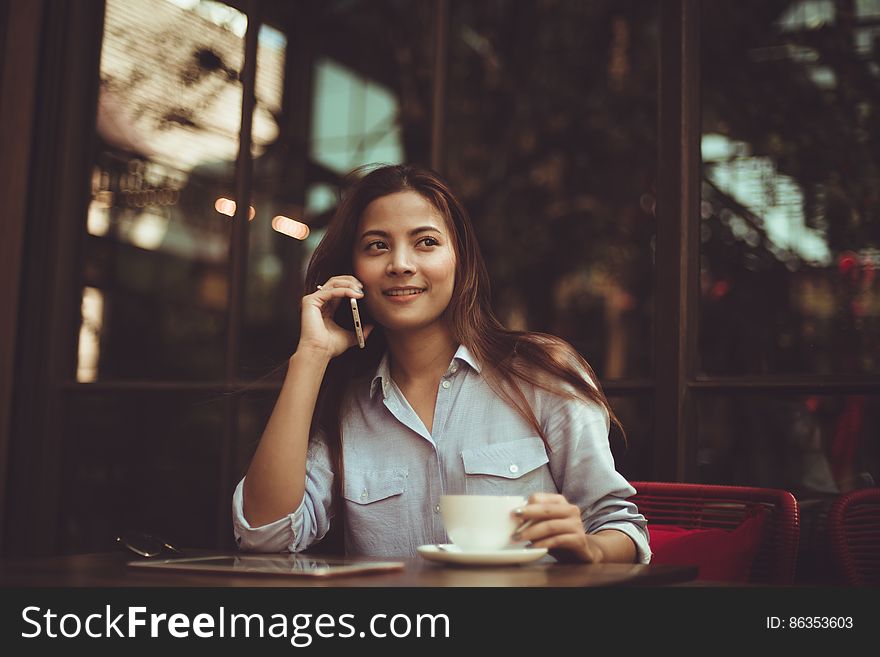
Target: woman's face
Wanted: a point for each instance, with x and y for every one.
(404, 256)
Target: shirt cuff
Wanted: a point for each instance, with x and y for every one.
(278, 536)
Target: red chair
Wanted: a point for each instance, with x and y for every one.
(691, 507)
(854, 534)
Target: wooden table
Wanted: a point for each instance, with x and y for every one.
(110, 570)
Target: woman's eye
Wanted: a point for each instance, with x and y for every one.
(429, 241)
(376, 246)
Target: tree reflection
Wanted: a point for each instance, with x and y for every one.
(794, 86)
(552, 143)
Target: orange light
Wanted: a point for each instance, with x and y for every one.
(290, 227)
(227, 206)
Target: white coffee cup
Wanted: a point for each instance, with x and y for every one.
(480, 522)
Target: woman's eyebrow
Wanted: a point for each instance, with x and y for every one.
(414, 231)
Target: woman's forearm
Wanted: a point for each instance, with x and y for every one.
(275, 481)
(616, 546)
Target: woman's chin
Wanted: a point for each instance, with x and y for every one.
(398, 324)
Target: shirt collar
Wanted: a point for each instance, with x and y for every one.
(382, 377)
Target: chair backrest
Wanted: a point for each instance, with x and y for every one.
(703, 506)
(854, 535)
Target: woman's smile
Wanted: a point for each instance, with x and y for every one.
(403, 294)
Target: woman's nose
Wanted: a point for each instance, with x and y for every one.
(401, 262)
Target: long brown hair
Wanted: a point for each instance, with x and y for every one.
(507, 358)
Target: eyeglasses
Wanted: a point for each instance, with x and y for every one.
(147, 545)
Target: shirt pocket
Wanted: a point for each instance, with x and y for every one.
(375, 511)
(364, 487)
(515, 467)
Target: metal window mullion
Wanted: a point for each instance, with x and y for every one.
(438, 97)
(677, 244)
(238, 243)
(842, 385)
(238, 247)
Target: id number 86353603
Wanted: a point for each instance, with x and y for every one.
(809, 623)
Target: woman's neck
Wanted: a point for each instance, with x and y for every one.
(421, 356)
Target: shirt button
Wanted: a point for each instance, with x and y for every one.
(437, 509)
(454, 368)
(514, 468)
(446, 384)
(364, 494)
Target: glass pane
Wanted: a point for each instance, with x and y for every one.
(790, 224)
(815, 446)
(811, 445)
(155, 256)
(552, 142)
(142, 461)
(356, 90)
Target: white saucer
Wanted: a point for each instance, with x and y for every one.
(453, 554)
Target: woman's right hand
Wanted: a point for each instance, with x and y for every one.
(318, 331)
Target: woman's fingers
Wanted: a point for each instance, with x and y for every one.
(546, 528)
(329, 297)
(547, 514)
(551, 522)
(342, 281)
(543, 506)
(318, 330)
(327, 293)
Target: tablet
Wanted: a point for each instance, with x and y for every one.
(296, 565)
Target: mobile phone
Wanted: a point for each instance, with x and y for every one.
(348, 313)
(358, 329)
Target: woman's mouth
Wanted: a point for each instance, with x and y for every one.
(400, 293)
(403, 295)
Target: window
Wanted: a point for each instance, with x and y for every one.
(789, 245)
(727, 297)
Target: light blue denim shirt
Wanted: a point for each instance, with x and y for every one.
(396, 470)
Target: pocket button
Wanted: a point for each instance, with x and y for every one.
(514, 468)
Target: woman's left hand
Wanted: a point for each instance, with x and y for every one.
(556, 525)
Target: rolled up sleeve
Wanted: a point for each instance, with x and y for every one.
(298, 530)
(583, 469)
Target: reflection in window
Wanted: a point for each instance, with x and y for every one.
(354, 120)
(810, 445)
(168, 120)
(271, 49)
(356, 91)
(90, 335)
(773, 201)
(789, 239)
(552, 144)
(170, 84)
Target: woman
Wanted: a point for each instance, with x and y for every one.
(443, 399)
